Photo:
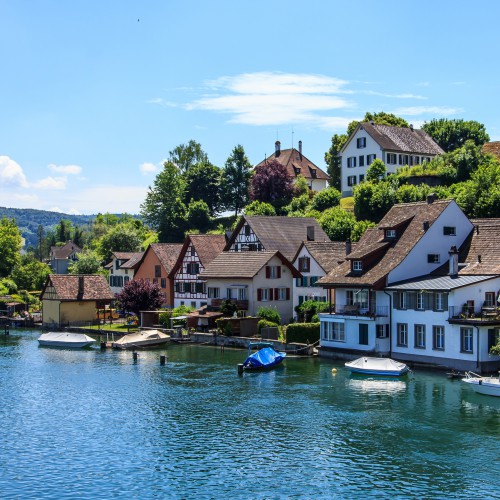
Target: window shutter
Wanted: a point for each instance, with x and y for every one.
(279, 272)
(259, 294)
(271, 294)
(288, 294)
(276, 294)
(445, 301)
(268, 272)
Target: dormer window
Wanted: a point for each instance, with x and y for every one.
(433, 258)
(297, 170)
(357, 265)
(390, 234)
(313, 172)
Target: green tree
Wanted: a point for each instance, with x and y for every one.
(163, 208)
(451, 134)
(10, 245)
(187, 155)
(64, 230)
(236, 180)
(333, 160)
(198, 216)
(337, 223)
(124, 237)
(88, 262)
(203, 182)
(373, 200)
(328, 198)
(30, 274)
(259, 208)
(40, 232)
(376, 171)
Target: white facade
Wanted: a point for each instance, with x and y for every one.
(118, 277)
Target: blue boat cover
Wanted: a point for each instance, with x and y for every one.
(264, 358)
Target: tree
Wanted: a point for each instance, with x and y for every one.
(337, 223)
(187, 155)
(124, 237)
(236, 180)
(198, 216)
(271, 183)
(163, 208)
(140, 295)
(327, 198)
(64, 230)
(40, 232)
(10, 245)
(259, 208)
(88, 263)
(373, 200)
(203, 182)
(30, 274)
(376, 171)
(451, 134)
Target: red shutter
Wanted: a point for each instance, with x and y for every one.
(276, 294)
(279, 271)
(288, 294)
(268, 272)
(259, 294)
(270, 294)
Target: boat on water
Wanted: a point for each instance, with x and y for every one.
(65, 339)
(377, 366)
(264, 358)
(142, 339)
(483, 385)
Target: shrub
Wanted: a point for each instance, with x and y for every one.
(270, 314)
(164, 317)
(310, 308)
(264, 323)
(303, 333)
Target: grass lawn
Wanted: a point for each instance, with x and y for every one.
(115, 327)
(347, 203)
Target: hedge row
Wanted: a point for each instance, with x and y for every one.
(302, 333)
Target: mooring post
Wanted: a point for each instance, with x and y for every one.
(240, 368)
(103, 346)
(163, 359)
(134, 356)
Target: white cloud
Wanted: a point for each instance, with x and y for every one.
(162, 102)
(51, 183)
(395, 96)
(55, 209)
(65, 169)
(148, 168)
(11, 173)
(421, 110)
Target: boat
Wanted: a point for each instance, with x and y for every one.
(483, 385)
(142, 339)
(65, 339)
(264, 358)
(377, 366)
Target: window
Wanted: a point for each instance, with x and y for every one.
(489, 299)
(466, 339)
(242, 294)
(264, 294)
(193, 252)
(192, 268)
(420, 336)
(361, 161)
(157, 271)
(493, 337)
(363, 334)
(304, 264)
(163, 283)
(199, 287)
(370, 158)
(403, 159)
(349, 298)
(357, 265)
(402, 335)
(117, 264)
(433, 258)
(391, 158)
(439, 301)
(402, 302)
(282, 293)
(420, 301)
(273, 272)
(361, 177)
(449, 230)
(416, 160)
(247, 230)
(351, 180)
(213, 292)
(193, 304)
(333, 332)
(127, 279)
(438, 338)
(390, 233)
(382, 331)
(351, 162)
(361, 142)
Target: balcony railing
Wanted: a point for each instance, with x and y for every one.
(241, 304)
(474, 313)
(357, 310)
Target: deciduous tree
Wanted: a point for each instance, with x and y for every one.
(88, 262)
(10, 245)
(187, 155)
(236, 180)
(30, 274)
(140, 295)
(203, 182)
(451, 134)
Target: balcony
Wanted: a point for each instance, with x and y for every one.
(358, 310)
(468, 314)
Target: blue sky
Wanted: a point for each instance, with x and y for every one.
(94, 94)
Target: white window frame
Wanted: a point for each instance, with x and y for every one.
(264, 295)
(420, 336)
(351, 162)
(402, 335)
(338, 332)
(420, 301)
(361, 142)
(438, 337)
(467, 340)
(439, 301)
(370, 159)
(357, 265)
(281, 293)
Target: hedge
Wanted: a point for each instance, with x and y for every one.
(302, 333)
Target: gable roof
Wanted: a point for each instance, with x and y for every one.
(242, 265)
(438, 283)
(386, 255)
(133, 261)
(68, 287)
(63, 252)
(403, 139)
(293, 159)
(481, 250)
(285, 234)
(328, 254)
(167, 254)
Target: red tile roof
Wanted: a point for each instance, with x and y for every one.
(63, 252)
(328, 254)
(208, 246)
(167, 254)
(67, 287)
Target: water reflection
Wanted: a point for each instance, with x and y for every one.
(376, 385)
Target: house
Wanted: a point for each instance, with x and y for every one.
(156, 266)
(314, 260)
(62, 256)
(251, 280)
(70, 298)
(122, 268)
(286, 234)
(402, 292)
(298, 164)
(198, 251)
(395, 146)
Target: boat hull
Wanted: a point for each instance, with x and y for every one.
(264, 359)
(65, 340)
(384, 367)
(142, 340)
(484, 385)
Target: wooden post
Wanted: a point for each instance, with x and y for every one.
(134, 356)
(240, 368)
(163, 359)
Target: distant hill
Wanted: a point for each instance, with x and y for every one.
(28, 220)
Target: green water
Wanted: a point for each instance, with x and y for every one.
(96, 424)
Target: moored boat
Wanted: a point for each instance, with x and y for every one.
(142, 339)
(65, 339)
(265, 358)
(377, 366)
(483, 385)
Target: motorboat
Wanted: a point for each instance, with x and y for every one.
(483, 385)
(142, 339)
(264, 358)
(65, 339)
(377, 366)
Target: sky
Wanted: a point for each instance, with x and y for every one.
(95, 94)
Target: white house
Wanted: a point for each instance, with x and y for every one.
(395, 146)
(251, 280)
(406, 280)
(61, 257)
(122, 268)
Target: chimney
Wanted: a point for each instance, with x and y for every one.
(477, 229)
(277, 146)
(431, 198)
(425, 225)
(411, 127)
(479, 259)
(300, 149)
(310, 233)
(348, 246)
(453, 253)
(80, 288)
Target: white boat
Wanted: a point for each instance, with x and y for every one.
(141, 339)
(377, 366)
(483, 385)
(65, 339)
